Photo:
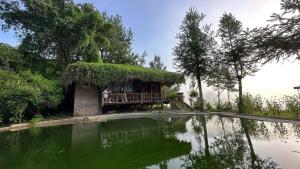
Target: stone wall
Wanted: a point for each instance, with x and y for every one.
(86, 101)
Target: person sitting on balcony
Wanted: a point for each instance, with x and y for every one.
(123, 94)
(106, 93)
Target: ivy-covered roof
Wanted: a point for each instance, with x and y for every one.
(101, 74)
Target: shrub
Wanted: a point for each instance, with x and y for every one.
(274, 106)
(193, 94)
(227, 106)
(248, 103)
(36, 118)
(209, 107)
(171, 92)
(196, 104)
(50, 91)
(219, 106)
(19, 91)
(292, 105)
(251, 104)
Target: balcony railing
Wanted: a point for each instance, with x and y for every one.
(133, 98)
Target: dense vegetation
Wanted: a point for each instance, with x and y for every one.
(284, 107)
(54, 34)
(101, 74)
(66, 32)
(26, 92)
(61, 40)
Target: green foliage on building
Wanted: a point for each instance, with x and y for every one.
(101, 74)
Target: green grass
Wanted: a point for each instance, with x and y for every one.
(284, 115)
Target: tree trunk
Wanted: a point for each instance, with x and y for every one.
(240, 96)
(223, 127)
(203, 121)
(228, 96)
(252, 153)
(200, 93)
(219, 95)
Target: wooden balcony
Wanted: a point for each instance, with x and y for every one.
(133, 98)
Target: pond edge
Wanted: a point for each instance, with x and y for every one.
(105, 117)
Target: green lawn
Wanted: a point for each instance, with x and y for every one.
(285, 115)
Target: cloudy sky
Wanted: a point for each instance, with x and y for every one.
(155, 24)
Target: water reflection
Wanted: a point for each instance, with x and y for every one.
(133, 143)
(229, 143)
(207, 142)
(226, 151)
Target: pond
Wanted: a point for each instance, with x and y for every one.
(169, 142)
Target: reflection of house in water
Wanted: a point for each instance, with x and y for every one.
(115, 132)
(131, 143)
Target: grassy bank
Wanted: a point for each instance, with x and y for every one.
(283, 115)
(287, 107)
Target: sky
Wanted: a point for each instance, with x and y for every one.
(155, 24)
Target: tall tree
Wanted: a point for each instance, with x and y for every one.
(120, 40)
(281, 39)
(220, 78)
(195, 46)
(236, 54)
(157, 63)
(141, 58)
(57, 29)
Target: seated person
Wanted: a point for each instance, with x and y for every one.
(106, 94)
(124, 96)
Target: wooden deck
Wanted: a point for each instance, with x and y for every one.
(133, 98)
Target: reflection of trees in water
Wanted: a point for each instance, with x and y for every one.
(263, 130)
(296, 130)
(229, 150)
(256, 162)
(280, 130)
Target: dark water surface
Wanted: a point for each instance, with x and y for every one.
(173, 142)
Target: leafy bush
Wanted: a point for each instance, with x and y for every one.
(193, 94)
(197, 105)
(274, 106)
(222, 106)
(171, 92)
(101, 74)
(227, 106)
(18, 91)
(248, 103)
(36, 118)
(208, 107)
(292, 105)
(251, 104)
(50, 91)
(286, 107)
